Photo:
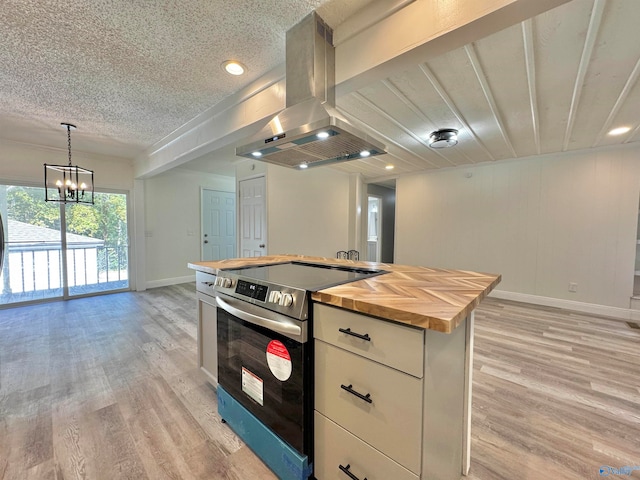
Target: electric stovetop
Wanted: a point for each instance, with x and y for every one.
(306, 276)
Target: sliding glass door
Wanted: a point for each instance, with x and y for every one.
(57, 250)
(33, 255)
(97, 248)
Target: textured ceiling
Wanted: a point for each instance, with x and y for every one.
(129, 73)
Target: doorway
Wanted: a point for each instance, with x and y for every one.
(253, 218)
(374, 228)
(380, 222)
(218, 225)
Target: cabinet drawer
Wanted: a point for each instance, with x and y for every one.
(334, 446)
(397, 346)
(391, 419)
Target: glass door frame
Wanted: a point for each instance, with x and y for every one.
(64, 247)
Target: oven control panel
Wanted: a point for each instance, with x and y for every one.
(252, 290)
(276, 297)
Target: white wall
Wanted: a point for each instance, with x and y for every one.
(25, 164)
(172, 222)
(308, 211)
(541, 222)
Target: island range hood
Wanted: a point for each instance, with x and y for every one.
(310, 132)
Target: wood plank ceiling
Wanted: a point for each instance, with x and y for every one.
(554, 83)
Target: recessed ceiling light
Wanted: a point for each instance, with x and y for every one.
(256, 154)
(389, 167)
(322, 135)
(619, 130)
(365, 153)
(303, 166)
(234, 67)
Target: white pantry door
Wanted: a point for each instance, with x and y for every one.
(253, 218)
(218, 225)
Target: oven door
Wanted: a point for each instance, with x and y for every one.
(265, 369)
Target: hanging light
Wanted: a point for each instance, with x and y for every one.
(68, 183)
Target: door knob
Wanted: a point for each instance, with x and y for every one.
(206, 241)
(206, 235)
(261, 245)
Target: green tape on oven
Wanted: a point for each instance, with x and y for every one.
(279, 456)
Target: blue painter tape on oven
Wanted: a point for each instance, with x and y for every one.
(285, 462)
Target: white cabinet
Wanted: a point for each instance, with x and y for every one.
(207, 337)
(390, 399)
(336, 448)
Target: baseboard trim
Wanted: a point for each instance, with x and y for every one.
(165, 282)
(592, 308)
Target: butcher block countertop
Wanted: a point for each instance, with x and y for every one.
(429, 298)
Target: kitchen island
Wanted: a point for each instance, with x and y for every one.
(393, 401)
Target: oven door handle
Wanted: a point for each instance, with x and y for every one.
(278, 323)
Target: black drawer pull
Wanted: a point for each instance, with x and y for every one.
(349, 474)
(354, 334)
(366, 398)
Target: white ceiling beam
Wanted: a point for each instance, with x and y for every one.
(631, 81)
(237, 118)
(421, 31)
(488, 95)
(587, 51)
(530, 65)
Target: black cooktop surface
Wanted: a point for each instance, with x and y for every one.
(306, 276)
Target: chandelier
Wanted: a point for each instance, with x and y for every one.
(68, 183)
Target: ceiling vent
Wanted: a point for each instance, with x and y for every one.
(309, 132)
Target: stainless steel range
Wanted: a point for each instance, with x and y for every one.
(265, 357)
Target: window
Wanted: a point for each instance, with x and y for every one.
(40, 262)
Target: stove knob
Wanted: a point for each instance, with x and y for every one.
(218, 282)
(227, 282)
(286, 300)
(274, 296)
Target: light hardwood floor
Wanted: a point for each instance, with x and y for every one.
(107, 388)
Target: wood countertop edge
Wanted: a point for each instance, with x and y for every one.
(445, 322)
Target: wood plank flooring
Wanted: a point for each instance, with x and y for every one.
(107, 388)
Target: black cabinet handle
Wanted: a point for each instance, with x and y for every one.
(366, 398)
(354, 334)
(349, 474)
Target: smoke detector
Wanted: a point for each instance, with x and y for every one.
(443, 138)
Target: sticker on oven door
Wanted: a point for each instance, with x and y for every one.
(279, 360)
(252, 385)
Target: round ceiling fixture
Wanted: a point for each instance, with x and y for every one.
(234, 67)
(619, 131)
(443, 138)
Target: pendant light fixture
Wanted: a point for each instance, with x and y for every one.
(68, 183)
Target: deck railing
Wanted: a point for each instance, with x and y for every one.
(33, 268)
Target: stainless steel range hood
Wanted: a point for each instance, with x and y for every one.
(310, 132)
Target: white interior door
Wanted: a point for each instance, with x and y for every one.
(374, 228)
(218, 225)
(253, 218)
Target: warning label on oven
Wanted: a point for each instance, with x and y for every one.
(252, 385)
(279, 360)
